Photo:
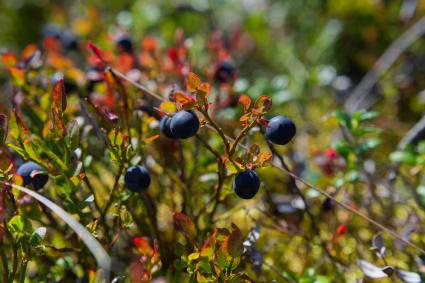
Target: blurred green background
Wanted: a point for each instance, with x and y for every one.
(301, 44)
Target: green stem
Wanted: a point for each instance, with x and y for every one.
(23, 271)
(240, 136)
(111, 197)
(5, 268)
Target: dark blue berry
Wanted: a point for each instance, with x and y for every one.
(184, 124)
(224, 72)
(124, 44)
(280, 130)
(137, 178)
(69, 40)
(164, 126)
(246, 184)
(34, 174)
(51, 30)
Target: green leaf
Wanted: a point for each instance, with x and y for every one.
(19, 226)
(38, 236)
(369, 115)
(73, 135)
(403, 157)
(102, 258)
(342, 148)
(343, 119)
(204, 266)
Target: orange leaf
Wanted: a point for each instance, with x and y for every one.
(143, 246)
(245, 100)
(184, 100)
(205, 89)
(18, 76)
(192, 81)
(244, 117)
(57, 109)
(263, 157)
(150, 139)
(9, 59)
(28, 51)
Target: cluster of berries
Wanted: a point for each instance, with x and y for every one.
(183, 124)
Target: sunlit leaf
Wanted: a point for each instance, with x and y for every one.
(18, 75)
(9, 59)
(204, 89)
(143, 246)
(168, 107)
(192, 82)
(57, 109)
(29, 51)
(263, 157)
(102, 258)
(245, 101)
(184, 100)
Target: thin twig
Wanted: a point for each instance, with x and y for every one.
(360, 93)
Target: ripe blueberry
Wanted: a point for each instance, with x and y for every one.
(164, 126)
(280, 130)
(69, 40)
(224, 72)
(124, 44)
(184, 124)
(34, 174)
(246, 184)
(137, 178)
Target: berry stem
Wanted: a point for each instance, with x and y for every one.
(239, 137)
(217, 129)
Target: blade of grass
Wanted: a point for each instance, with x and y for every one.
(101, 256)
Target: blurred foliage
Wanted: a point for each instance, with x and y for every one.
(307, 55)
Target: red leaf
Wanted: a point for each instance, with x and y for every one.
(245, 100)
(57, 109)
(192, 82)
(143, 246)
(342, 228)
(96, 50)
(22, 129)
(234, 243)
(185, 225)
(184, 100)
